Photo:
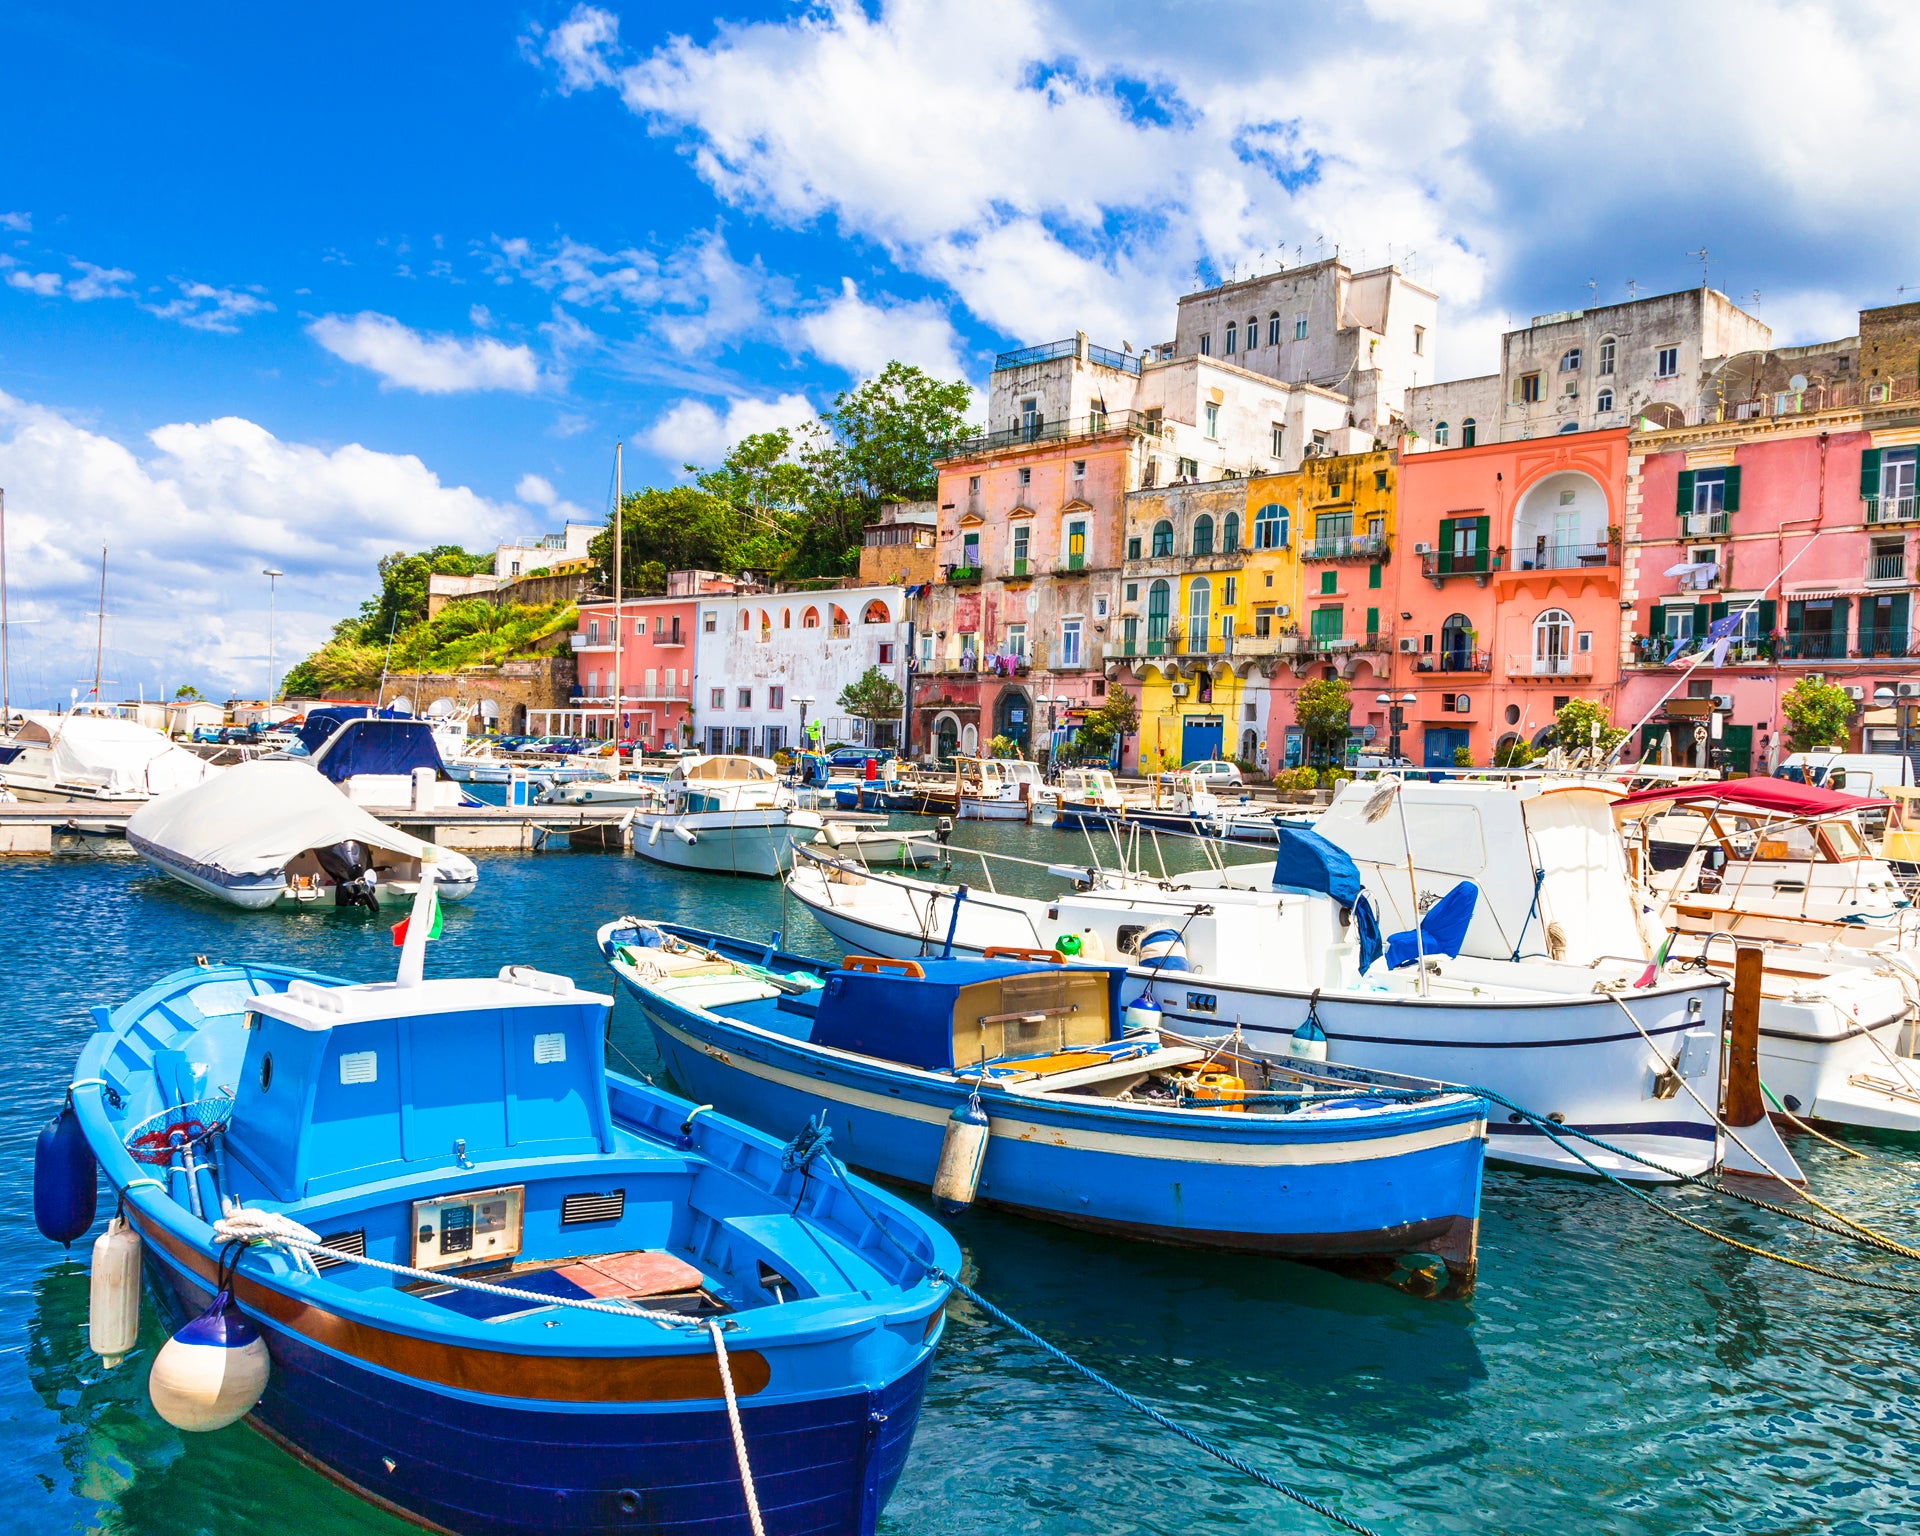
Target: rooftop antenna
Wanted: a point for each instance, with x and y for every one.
(1752, 300)
(1633, 290)
(1704, 259)
(1593, 292)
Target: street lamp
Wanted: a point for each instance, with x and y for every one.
(803, 703)
(1395, 720)
(273, 587)
(1884, 696)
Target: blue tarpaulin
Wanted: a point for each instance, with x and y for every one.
(323, 721)
(1442, 931)
(1308, 862)
(381, 746)
(1370, 946)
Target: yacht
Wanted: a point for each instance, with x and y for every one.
(725, 813)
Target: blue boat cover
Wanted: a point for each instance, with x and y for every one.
(381, 746)
(1442, 931)
(1308, 862)
(909, 1019)
(1371, 947)
(328, 718)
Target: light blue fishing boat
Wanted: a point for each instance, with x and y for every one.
(421, 1237)
(1016, 1078)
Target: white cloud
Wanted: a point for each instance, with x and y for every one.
(433, 365)
(190, 519)
(46, 284)
(536, 491)
(96, 282)
(19, 223)
(480, 317)
(203, 307)
(863, 337)
(693, 432)
(1068, 165)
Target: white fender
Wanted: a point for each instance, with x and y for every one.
(113, 1293)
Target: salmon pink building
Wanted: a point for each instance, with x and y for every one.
(652, 702)
(1508, 603)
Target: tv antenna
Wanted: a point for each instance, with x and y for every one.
(1704, 259)
(1633, 290)
(1593, 292)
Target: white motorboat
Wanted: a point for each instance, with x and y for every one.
(1282, 967)
(995, 789)
(728, 814)
(94, 759)
(1559, 886)
(1087, 797)
(384, 761)
(629, 789)
(274, 832)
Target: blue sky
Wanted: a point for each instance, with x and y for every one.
(299, 289)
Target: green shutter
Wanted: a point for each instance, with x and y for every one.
(1837, 645)
(1870, 472)
(1373, 620)
(1328, 582)
(1443, 551)
(1702, 617)
(1732, 502)
(1769, 614)
(1796, 617)
(1896, 636)
(1480, 545)
(1657, 620)
(1717, 612)
(1684, 502)
(1373, 577)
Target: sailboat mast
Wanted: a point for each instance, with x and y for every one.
(619, 690)
(100, 632)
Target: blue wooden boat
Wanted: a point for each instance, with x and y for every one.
(1088, 1124)
(466, 1133)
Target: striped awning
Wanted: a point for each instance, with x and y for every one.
(1823, 594)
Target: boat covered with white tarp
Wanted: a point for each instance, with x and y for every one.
(275, 832)
(93, 759)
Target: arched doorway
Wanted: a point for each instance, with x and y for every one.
(1561, 524)
(1250, 746)
(1456, 644)
(1553, 643)
(946, 738)
(1013, 717)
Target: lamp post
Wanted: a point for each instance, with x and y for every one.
(1396, 719)
(273, 588)
(803, 703)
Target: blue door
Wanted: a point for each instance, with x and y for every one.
(1200, 737)
(1441, 740)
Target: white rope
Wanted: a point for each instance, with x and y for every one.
(739, 1434)
(270, 1228)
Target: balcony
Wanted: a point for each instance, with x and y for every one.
(1350, 546)
(1563, 557)
(1068, 429)
(1886, 565)
(1440, 564)
(1816, 647)
(1450, 663)
(1073, 565)
(1020, 570)
(1530, 666)
(1653, 651)
(1047, 351)
(1705, 525)
(1889, 509)
(964, 576)
(592, 643)
(1882, 642)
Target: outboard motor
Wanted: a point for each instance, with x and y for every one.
(350, 866)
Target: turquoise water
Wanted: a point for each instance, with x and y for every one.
(1614, 1372)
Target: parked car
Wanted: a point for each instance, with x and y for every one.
(856, 757)
(1214, 773)
(1855, 773)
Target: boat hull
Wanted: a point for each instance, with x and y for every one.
(973, 808)
(256, 893)
(1580, 1057)
(1237, 1184)
(500, 1466)
(748, 842)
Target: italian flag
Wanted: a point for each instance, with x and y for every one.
(433, 927)
(1647, 977)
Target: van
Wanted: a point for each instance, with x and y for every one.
(1856, 773)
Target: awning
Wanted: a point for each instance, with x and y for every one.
(1824, 594)
(1781, 797)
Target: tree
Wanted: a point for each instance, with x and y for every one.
(1818, 715)
(766, 491)
(1582, 725)
(1512, 754)
(1322, 709)
(874, 697)
(681, 528)
(402, 598)
(186, 691)
(1107, 727)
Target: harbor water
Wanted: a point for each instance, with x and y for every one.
(1613, 1372)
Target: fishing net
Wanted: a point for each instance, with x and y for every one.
(153, 1140)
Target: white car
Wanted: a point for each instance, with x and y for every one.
(1215, 774)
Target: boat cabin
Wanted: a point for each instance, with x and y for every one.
(726, 782)
(384, 761)
(1091, 786)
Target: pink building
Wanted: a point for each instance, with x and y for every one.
(1801, 520)
(653, 703)
(1510, 602)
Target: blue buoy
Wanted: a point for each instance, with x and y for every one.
(66, 1187)
(1142, 1015)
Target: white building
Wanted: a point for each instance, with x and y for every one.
(763, 660)
(1585, 370)
(537, 552)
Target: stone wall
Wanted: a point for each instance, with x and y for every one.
(1890, 342)
(542, 682)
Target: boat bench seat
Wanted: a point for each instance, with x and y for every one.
(1076, 1069)
(652, 963)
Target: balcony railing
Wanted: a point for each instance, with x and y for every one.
(1887, 566)
(1047, 351)
(1348, 546)
(1827, 647)
(1705, 525)
(586, 642)
(1653, 651)
(1550, 666)
(1817, 397)
(1882, 642)
(1020, 569)
(1066, 429)
(1890, 509)
(1561, 557)
(1454, 661)
(964, 576)
(1441, 563)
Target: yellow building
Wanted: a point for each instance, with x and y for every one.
(1318, 587)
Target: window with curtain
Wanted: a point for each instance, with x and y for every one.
(1163, 537)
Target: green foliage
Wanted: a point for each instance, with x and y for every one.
(1463, 757)
(465, 634)
(874, 696)
(187, 691)
(1818, 715)
(1582, 725)
(1002, 746)
(1107, 726)
(1322, 709)
(402, 598)
(1512, 754)
(680, 528)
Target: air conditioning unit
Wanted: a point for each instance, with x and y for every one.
(1410, 644)
(1854, 692)
(1423, 549)
(1179, 690)
(1907, 690)
(1283, 611)
(1463, 704)
(1723, 701)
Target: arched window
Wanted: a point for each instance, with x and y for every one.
(840, 625)
(1553, 644)
(1159, 605)
(876, 613)
(766, 625)
(810, 619)
(1273, 328)
(1233, 332)
(1605, 360)
(1603, 401)
(1439, 434)
(746, 621)
(1230, 534)
(1569, 426)
(1270, 527)
(1253, 332)
(1203, 535)
(1468, 432)
(1456, 644)
(1199, 614)
(786, 618)
(1163, 537)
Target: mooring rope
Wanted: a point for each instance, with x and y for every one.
(739, 1434)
